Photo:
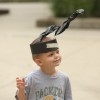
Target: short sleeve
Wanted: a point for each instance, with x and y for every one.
(16, 97)
(68, 92)
(27, 86)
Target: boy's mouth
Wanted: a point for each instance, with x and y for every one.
(58, 60)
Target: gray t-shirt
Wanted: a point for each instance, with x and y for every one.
(40, 86)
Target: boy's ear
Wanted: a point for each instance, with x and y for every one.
(38, 61)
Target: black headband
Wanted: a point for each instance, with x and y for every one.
(43, 47)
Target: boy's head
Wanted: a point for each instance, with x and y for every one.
(42, 51)
(46, 45)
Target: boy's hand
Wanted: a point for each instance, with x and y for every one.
(20, 83)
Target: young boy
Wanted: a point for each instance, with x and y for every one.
(46, 83)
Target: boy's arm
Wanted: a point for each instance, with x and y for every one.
(20, 95)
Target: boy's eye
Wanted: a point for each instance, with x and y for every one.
(50, 54)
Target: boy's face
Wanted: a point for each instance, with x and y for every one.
(50, 59)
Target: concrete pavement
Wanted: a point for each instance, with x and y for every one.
(80, 51)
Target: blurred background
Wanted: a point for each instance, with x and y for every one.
(21, 21)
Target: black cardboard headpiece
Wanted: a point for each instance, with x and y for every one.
(43, 47)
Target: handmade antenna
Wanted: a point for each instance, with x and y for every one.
(59, 29)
